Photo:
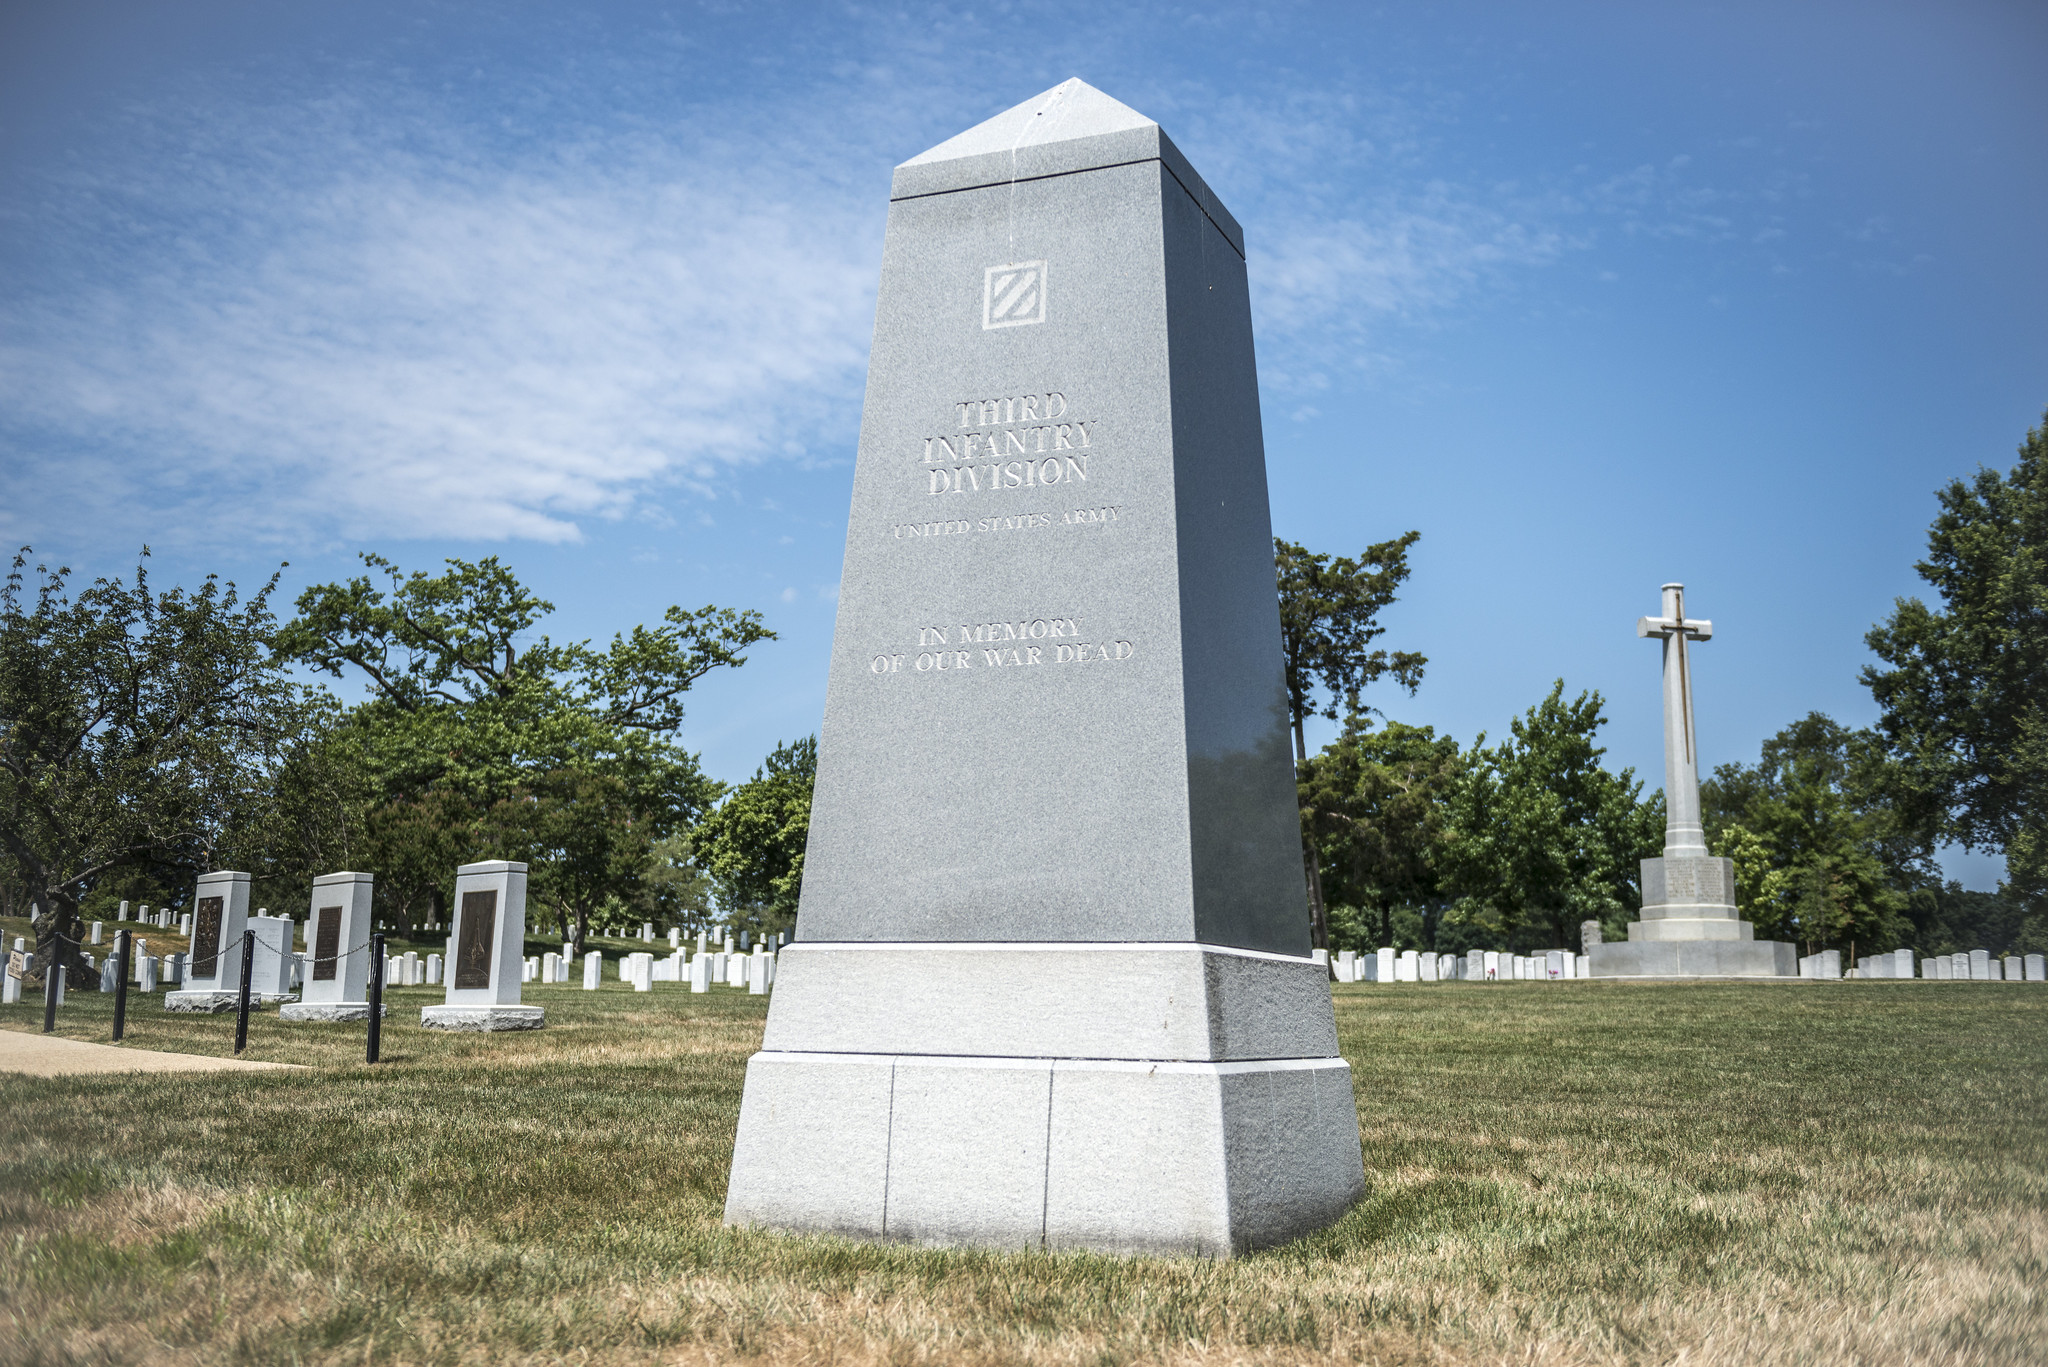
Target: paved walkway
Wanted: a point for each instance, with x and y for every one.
(54, 1056)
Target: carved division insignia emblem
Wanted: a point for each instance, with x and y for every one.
(1013, 295)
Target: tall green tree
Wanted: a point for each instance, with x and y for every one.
(478, 732)
(1539, 836)
(1964, 687)
(753, 844)
(1818, 858)
(137, 727)
(1329, 618)
(585, 838)
(1373, 802)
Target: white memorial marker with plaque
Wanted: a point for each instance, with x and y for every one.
(1060, 994)
(485, 962)
(1689, 926)
(212, 979)
(337, 982)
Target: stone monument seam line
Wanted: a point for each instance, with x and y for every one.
(1045, 1180)
(1235, 1065)
(1020, 180)
(1060, 946)
(888, 1136)
(1013, 181)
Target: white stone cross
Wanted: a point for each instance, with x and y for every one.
(1683, 834)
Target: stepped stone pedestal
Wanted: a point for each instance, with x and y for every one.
(1051, 984)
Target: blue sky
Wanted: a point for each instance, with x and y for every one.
(1594, 295)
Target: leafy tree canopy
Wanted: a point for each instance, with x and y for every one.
(137, 727)
(1373, 803)
(480, 738)
(1819, 856)
(1964, 687)
(1540, 836)
(1329, 617)
(753, 844)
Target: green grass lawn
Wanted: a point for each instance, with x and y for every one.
(1565, 1173)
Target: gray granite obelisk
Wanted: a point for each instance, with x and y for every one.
(1051, 985)
(1690, 927)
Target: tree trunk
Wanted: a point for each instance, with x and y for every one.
(1318, 922)
(55, 922)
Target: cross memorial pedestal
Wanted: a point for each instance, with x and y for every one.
(1689, 926)
(1064, 999)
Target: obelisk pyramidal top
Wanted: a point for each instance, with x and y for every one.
(1051, 985)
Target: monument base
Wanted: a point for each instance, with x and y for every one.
(1156, 1098)
(207, 1003)
(483, 1018)
(1115, 1156)
(328, 1011)
(1696, 959)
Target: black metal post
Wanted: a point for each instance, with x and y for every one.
(242, 1005)
(51, 979)
(376, 997)
(122, 942)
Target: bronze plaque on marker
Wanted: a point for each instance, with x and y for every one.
(326, 943)
(206, 938)
(473, 951)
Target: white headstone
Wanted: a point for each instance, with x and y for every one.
(2037, 968)
(98, 931)
(593, 970)
(1980, 966)
(270, 973)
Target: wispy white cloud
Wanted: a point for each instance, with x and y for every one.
(344, 334)
(376, 314)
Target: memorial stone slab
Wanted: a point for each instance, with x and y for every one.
(2037, 968)
(337, 982)
(484, 970)
(212, 977)
(1980, 965)
(1059, 523)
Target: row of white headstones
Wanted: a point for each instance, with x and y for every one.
(278, 969)
(1389, 965)
(1409, 966)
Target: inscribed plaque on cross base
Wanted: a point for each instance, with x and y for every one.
(473, 954)
(326, 943)
(206, 938)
